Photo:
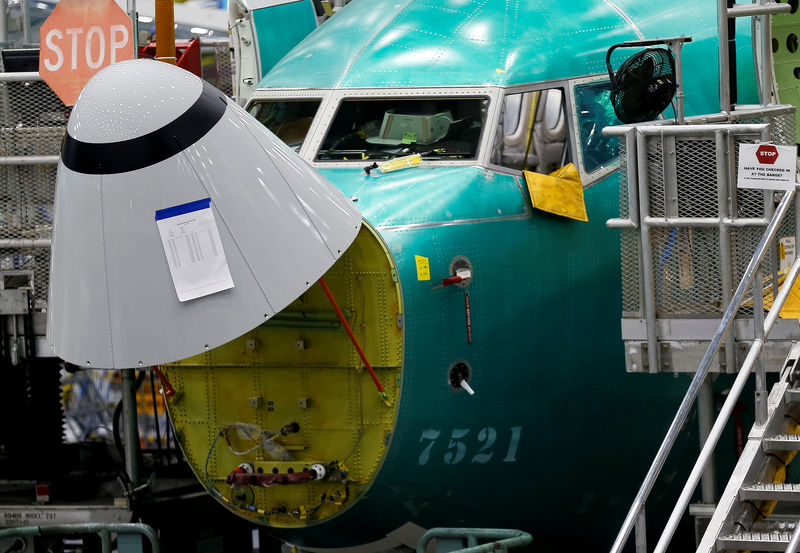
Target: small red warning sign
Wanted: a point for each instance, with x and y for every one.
(767, 166)
(767, 153)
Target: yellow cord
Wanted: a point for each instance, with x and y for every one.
(531, 121)
(780, 474)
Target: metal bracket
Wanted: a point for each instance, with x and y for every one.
(665, 357)
(14, 301)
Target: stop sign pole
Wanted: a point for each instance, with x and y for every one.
(134, 26)
(165, 31)
(78, 39)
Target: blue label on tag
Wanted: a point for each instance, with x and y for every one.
(176, 210)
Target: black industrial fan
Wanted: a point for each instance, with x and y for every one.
(644, 85)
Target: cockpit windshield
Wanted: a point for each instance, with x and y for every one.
(289, 120)
(436, 128)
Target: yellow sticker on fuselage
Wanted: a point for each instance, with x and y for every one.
(423, 268)
(400, 163)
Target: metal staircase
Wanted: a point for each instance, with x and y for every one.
(688, 235)
(759, 510)
(737, 512)
(746, 227)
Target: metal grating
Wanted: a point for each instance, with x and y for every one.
(696, 189)
(221, 72)
(629, 244)
(686, 261)
(682, 182)
(655, 178)
(629, 240)
(32, 124)
(30, 107)
(686, 271)
(749, 202)
(744, 242)
(624, 200)
(782, 125)
(26, 201)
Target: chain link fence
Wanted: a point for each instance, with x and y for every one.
(32, 126)
(33, 121)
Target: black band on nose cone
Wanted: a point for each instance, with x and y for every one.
(137, 153)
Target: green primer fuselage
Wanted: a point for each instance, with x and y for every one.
(557, 436)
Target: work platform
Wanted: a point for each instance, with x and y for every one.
(706, 269)
(688, 234)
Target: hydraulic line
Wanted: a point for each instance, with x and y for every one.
(168, 389)
(353, 339)
(155, 416)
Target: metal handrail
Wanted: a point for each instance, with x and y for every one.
(726, 410)
(795, 541)
(501, 539)
(20, 76)
(705, 364)
(701, 121)
(102, 529)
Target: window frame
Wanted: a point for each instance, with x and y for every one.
(330, 100)
(330, 108)
(288, 95)
(564, 85)
(253, 102)
(521, 89)
(588, 178)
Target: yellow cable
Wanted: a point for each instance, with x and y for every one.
(766, 282)
(531, 121)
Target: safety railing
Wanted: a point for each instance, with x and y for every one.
(681, 179)
(498, 539)
(105, 532)
(687, 232)
(794, 543)
(763, 326)
(32, 125)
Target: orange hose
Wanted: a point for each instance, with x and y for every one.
(350, 333)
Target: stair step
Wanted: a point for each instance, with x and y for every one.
(755, 541)
(765, 535)
(763, 491)
(782, 442)
(792, 395)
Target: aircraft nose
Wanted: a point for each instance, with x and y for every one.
(180, 221)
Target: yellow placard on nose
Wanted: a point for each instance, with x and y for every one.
(423, 268)
(560, 192)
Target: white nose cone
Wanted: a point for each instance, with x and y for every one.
(181, 222)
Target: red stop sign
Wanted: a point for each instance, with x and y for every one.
(78, 39)
(767, 154)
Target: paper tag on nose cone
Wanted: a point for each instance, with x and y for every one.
(145, 136)
(194, 251)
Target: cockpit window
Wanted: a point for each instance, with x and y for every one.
(436, 128)
(289, 120)
(532, 134)
(593, 104)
